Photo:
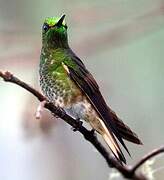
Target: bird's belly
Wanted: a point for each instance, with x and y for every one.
(76, 110)
(82, 110)
(62, 92)
(66, 94)
(85, 111)
(72, 100)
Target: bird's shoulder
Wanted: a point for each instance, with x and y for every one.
(79, 72)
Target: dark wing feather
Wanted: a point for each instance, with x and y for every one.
(81, 76)
(124, 130)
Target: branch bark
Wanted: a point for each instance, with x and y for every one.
(129, 172)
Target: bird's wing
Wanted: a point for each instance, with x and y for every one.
(81, 76)
(124, 130)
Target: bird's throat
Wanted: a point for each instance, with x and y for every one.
(55, 42)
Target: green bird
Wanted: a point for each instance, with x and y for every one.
(65, 81)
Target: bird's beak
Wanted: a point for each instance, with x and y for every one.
(59, 23)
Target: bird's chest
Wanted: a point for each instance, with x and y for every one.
(57, 86)
(52, 90)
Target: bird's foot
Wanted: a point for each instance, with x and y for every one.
(79, 123)
(56, 116)
(92, 131)
(39, 110)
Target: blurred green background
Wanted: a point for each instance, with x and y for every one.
(122, 44)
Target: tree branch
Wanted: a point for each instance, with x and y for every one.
(147, 157)
(127, 171)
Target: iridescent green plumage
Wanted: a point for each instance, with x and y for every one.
(67, 83)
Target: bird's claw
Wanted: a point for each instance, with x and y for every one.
(79, 123)
(92, 131)
(56, 116)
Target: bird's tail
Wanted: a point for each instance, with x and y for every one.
(111, 142)
(124, 130)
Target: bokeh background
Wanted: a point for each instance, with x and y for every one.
(122, 44)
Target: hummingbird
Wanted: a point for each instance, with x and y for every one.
(65, 81)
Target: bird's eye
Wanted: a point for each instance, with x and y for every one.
(45, 27)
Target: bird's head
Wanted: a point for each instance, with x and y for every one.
(54, 32)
